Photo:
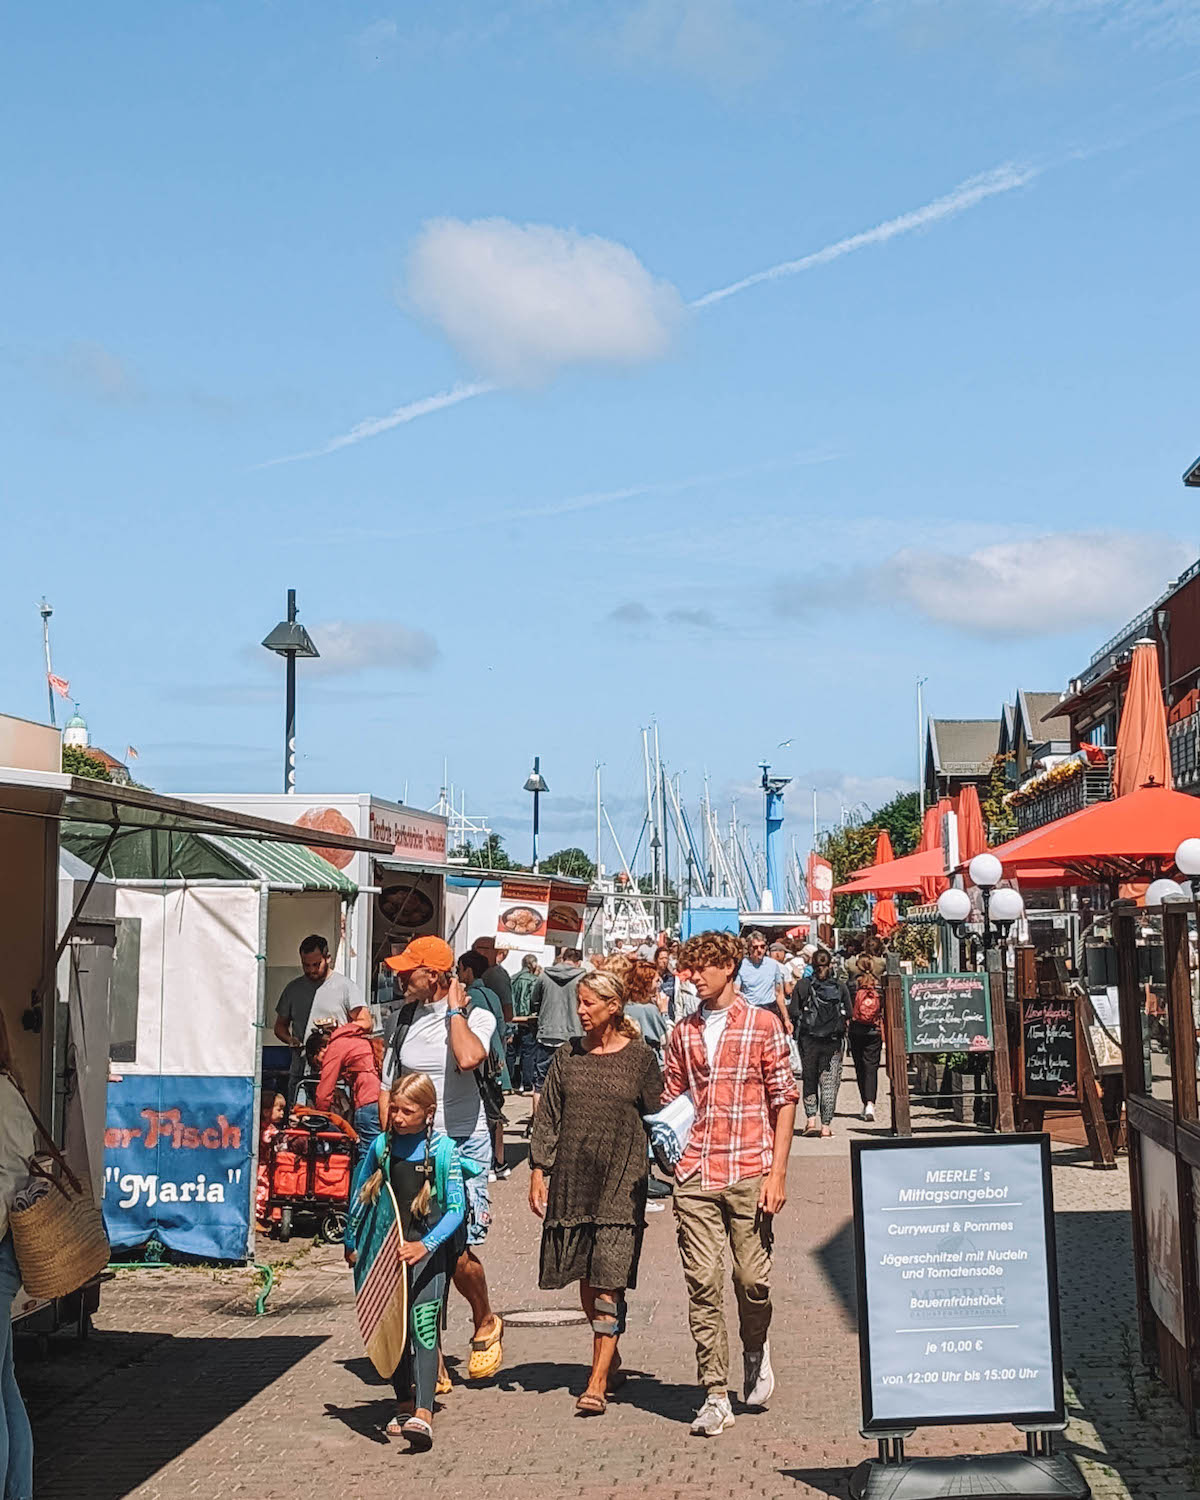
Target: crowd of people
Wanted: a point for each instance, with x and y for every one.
(720, 1037)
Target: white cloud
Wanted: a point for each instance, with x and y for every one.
(348, 646)
(1036, 586)
(1002, 179)
(712, 40)
(520, 301)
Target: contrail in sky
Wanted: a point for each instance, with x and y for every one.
(966, 195)
(664, 488)
(373, 426)
(1000, 180)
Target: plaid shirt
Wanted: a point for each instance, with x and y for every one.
(737, 1100)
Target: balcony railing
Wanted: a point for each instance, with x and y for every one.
(1184, 739)
(1093, 785)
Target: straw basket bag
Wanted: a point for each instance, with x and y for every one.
(59, 1238)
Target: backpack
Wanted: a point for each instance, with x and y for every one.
(868, 1002)
(822, 1015)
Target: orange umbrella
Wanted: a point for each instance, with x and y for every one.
(884, 915)
(1143, 753)
(931, 838)
(905, 874)
(1130, 838)
(972, 839)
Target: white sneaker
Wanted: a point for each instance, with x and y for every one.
(713, 1417)
(869, 1112)
(760, 1377)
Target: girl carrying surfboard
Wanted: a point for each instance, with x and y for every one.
(406, 1230)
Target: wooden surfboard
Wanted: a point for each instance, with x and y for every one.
(381, 1284)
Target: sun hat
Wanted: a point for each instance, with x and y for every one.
(422, 953)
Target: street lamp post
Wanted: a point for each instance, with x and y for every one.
(537, 785)
(289, 639)
(986, 872)
(1001, 908)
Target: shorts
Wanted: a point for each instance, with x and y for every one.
(477, 1148)
(542, 1057)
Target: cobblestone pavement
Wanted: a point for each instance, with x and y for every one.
(182, 1391)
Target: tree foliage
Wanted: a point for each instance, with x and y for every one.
(77, 762)
(488, 855)
(998, 820)
(573, 862)
(914, 941)
(902, 819)
(851, 847)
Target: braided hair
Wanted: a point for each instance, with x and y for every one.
(418, 1089)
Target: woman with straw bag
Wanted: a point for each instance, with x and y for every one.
(18, 1142)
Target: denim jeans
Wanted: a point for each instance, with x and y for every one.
(16, 1440)
(366, 1123)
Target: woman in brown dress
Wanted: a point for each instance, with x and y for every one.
(589, 1140)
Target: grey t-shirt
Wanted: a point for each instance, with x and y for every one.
(303, 1002)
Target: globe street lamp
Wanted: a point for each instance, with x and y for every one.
(1187, 862)
(289, 639)
(1161, 891)
(954, 906)
(1007, 907)
(537, 785)
(986, 871)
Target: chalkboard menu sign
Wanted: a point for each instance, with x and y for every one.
(947, 1013)
(957, 1289)
(1049, 1054)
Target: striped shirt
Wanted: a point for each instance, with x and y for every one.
(737, 1099)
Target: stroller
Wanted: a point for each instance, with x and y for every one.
(311, 1169)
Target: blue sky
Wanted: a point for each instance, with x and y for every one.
(236, 233)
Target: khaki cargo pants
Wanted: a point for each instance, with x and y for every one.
(706, 1222)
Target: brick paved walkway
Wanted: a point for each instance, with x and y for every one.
(181, 1391)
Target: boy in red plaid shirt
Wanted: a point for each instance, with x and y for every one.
(731, 1180)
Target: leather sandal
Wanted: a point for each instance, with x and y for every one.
(591, 1406)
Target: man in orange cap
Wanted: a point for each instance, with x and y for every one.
(438, 1032)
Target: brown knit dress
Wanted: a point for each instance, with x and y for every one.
(588, 1137)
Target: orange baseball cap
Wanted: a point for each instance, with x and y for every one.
(422, 953)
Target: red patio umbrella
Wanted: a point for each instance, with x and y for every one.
(931, 838)
(972, 839)
(1143, 752)
(1130, 838)
(905, 874)
(884, 915)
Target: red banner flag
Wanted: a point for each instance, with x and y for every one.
(820, 887)
(60, 685)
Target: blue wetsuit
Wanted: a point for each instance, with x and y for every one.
(405, 1157)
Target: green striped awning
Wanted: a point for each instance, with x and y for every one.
(282, 864)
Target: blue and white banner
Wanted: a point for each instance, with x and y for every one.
(177, 1163)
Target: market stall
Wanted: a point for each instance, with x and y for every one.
(208, 930)
(56, 996)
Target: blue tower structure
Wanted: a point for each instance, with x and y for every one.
(773, 797)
